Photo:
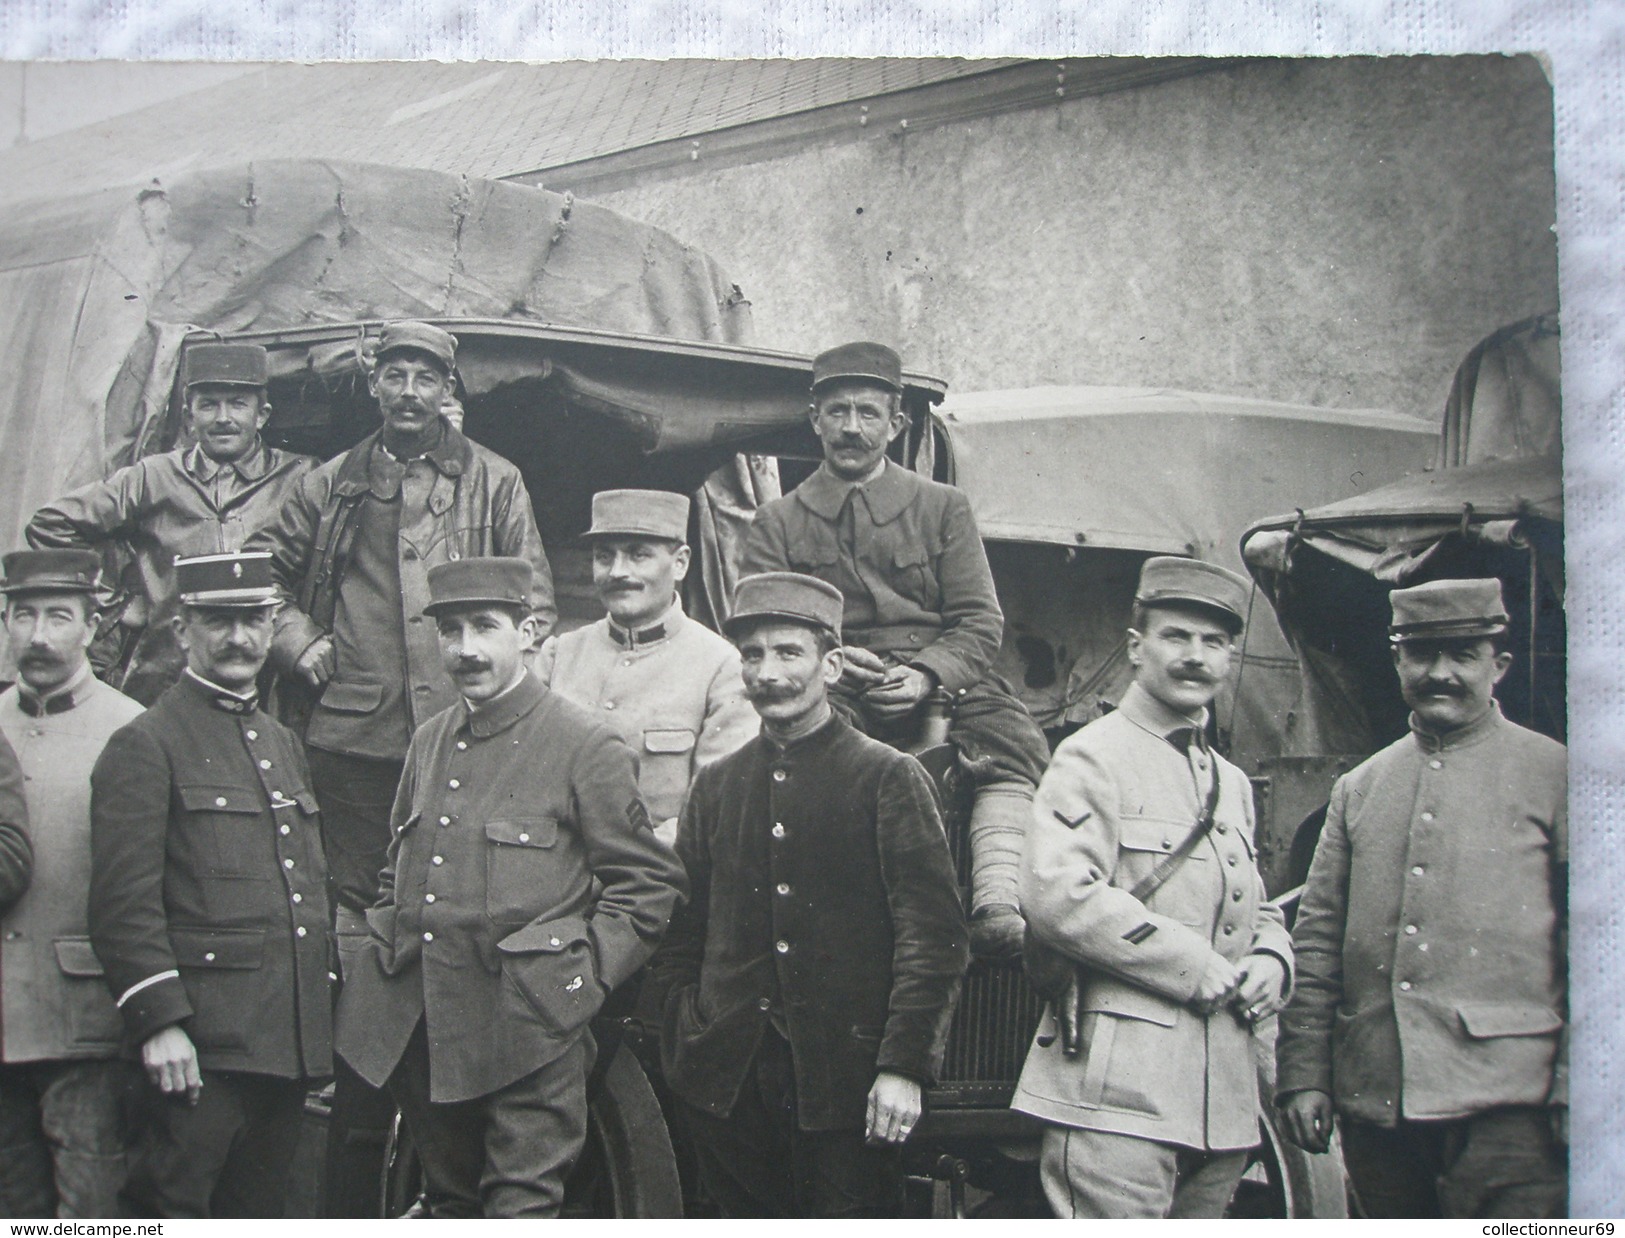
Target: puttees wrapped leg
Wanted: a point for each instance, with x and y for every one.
(998, 825)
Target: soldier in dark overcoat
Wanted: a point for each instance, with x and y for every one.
(208, 910)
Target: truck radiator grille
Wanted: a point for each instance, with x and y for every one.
(992, 1028)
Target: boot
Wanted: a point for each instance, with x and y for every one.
(998, 826)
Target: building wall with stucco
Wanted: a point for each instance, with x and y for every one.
(1331, 232)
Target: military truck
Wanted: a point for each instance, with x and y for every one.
(596, 352)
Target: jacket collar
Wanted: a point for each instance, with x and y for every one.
(811, 744)
(66, 696)
(492, 717)
(211, 693)
(653, 634)
(1478, 729)
(450, 456)
(251, 467)
(887, 495)
(1149, 714)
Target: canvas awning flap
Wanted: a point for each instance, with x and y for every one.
(96, 293)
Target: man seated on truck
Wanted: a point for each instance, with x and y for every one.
(1165, 959)
(524, 883)
(1430, 1017)
(208, 498)
(920, 613)
(667, 685)
(807, 986)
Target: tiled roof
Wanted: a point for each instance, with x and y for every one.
(483, 119)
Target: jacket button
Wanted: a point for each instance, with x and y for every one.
(524, 838)
(1435, 764)
(428, 937)
(1236, 895)
(554, 941)
(1166, 844)
(1231, 861)
(1416, 870)
(409, 554)
(428, 898)
(209, 957)
(287, 863)
(782, 946)
(445, 820)
(778, 776)
(219, 801)
(778, 831)
(439, 859)
(1223, 829)
(1405, 985)
(252, 734)
(1410, 930)
(764, 1004)
(1427, 816)
(265, 764)
(1229, 929)
(300, 931)
(298, 898)
(609, 704)
(783, 887)
(462, 745)
(282, 829)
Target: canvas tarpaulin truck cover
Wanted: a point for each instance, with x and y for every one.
(1493, 505)
(97, 291)
(1104, 469)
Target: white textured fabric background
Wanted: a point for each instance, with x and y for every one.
(1585, 46)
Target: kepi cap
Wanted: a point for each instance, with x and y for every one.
(640, 513)
(1447, 609)
(233, 365)
(240, 580)
(863, 360)
(1170, 580)
(51, 571)
(418, 337)
(786, 595)
(497, 580)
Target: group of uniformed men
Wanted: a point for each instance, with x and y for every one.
(480, 829)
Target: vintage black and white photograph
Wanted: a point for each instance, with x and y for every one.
(826, 637)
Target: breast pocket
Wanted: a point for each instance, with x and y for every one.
(1146, 842)
(518, 857)
(913, 575)
(222, 818)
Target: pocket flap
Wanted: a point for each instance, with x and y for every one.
(239, 949)
(549, 937)
(1127, 1002)
(219, 797)
(352, 697)
(1149, 834)
(673, 739)
(911, 554)
(75, 957)
(1482, 1020)
(524, 832)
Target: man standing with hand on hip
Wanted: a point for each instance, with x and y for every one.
(1139, 884)
(1431, 1011)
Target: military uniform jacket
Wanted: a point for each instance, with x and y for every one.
(822, 896)
(178, 503)
(1431, 937)
(208, 903)
(476, 504)
(672, 691)
(54, 1002)
(524, 883)
(907, 559)
(1118, 797)
(16, 852)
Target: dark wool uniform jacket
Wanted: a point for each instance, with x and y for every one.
(208, 903)
(822, 896)
(524, 883)
(914, 573)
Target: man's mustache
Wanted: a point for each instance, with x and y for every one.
(1440, 687)
(468, 666)
(767, 694)
(39, 657)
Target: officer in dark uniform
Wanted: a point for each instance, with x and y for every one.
(208, 910)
